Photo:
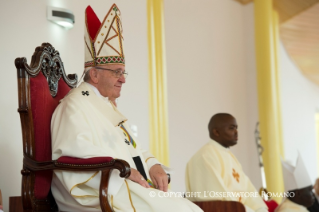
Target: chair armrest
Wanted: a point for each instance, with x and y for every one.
(221, 206)
(78, 164)
(96, 163)
(84, 161)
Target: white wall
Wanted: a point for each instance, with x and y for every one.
(299, 103)
(23, 27)
(211, 69)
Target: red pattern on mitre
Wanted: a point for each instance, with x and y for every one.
(92, 22)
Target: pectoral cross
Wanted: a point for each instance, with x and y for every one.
(85, 93)
(236, 175)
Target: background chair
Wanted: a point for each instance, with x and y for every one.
(221, 206)
(40, 87)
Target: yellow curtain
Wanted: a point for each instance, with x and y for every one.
(266, 38)
(157, 82)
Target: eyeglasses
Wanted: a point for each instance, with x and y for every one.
(116, 73)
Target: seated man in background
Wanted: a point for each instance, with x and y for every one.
(298, 184)
(86, 124)
(215, 169)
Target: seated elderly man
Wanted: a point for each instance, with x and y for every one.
(215, 170)
(298, 184)
(87, 124)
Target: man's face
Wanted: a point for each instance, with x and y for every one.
(108, 84)
(227, 132)
(304, 196)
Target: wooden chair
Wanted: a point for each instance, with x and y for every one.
(221, 206)
(40, 87)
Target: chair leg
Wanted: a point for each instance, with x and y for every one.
(105, 205)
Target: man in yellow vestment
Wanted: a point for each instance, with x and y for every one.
(216, 173)
(87, 124)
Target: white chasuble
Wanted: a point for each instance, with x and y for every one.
(288, 206)
(213, 171)
(86, 125)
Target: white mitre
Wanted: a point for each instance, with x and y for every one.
(295, 177)
(103, 42)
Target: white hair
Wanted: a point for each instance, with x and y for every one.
(86, 74)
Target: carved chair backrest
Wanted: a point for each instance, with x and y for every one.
(41, 86)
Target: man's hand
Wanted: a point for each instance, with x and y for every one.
(138, 178)
(159, 177)
(316, 187)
